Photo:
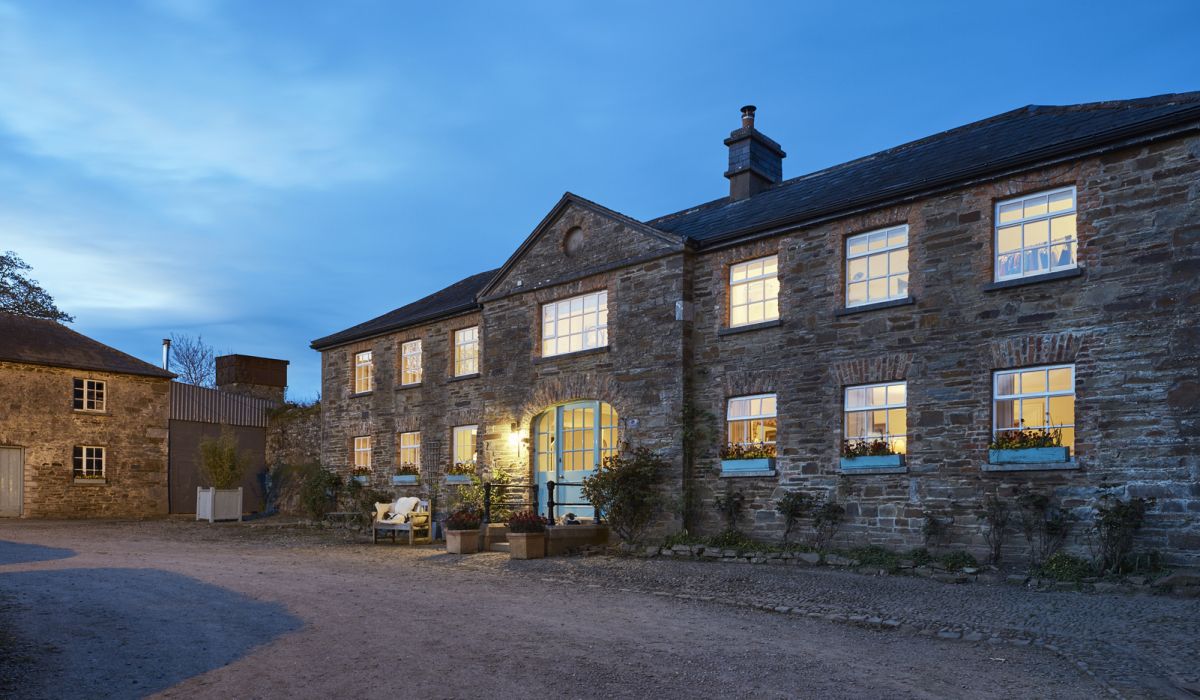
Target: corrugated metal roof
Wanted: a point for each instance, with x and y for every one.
(203, 405)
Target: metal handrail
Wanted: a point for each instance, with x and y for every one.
(551, 504)
(487, 498)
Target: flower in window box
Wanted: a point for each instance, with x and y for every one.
(863, 453)
(406, 473)
(742, 458)
(1028, 446)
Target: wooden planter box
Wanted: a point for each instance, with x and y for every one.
(458, 478)
(745, 466)
(463, 541)
(1030, 455)
(218, 504)
(401, 479)
(872, 462)
(527, 545)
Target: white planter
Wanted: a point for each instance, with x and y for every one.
(218, 504)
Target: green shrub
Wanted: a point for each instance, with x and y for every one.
(1064, 567)
(794, 506)
(732, 539)
(730, 506)
(318, 490)
(1116, 524)
(625, 489)
(956, 561)
(920, 556)
(220, 462)
(826, 521)
(875, 555)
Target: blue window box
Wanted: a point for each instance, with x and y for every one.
(1030, 455)
(399, 479)
(747, 466)
(458, 478)
(361, 478)
(872, 462)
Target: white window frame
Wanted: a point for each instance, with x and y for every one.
(897, 441)
(412, 450)
(362, 451)
(585, 328)
(456, 457)
(83, 465)
(1046, 395)
(464, 339)
(89, 395)
(364, 372)
(869, 255)
(766, 283)
(1022, 221)
(411, 370)
(749, 418)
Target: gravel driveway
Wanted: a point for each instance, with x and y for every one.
(181, 609)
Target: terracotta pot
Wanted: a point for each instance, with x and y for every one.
(527, 545)
(462, 541)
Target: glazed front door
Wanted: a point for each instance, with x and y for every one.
(570, 441)
(12, 482)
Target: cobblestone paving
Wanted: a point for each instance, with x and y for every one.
(1136, 645)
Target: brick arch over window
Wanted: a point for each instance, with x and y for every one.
(1047, 349)
(551, 392)
(884, 367)
(749, 383)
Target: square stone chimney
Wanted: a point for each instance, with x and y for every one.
(755, 161)
(262, 377)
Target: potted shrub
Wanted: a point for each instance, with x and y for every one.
(527, 535)
(406, 474)
(1028, 446)
(460, 473)
(361, 474)
(738, 458)
(869, 454)
(462, 531)
(222, 466)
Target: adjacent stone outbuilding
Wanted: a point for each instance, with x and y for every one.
(83, 426)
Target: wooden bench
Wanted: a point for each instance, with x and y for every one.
(418, 521)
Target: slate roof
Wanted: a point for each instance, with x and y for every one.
(455, 299)
(1022, 136)
(40, 342)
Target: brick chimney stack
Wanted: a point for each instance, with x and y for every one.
(263, 377)
(755, 161)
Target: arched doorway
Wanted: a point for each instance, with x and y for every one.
(569, 442)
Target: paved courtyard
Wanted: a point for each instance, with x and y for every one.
(180, 609)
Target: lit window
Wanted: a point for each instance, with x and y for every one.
(464, 444)
(410, 450)
(877, 266)
(754, 291)
(364, 372)
(410, 363)
(466, 351)
(1036, 234)
(89, 395)
(571, 325)
(878, 412)
(88, 462)
(362, 452)
(1041, 398)
(751, 420)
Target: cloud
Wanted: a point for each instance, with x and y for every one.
(188, 107)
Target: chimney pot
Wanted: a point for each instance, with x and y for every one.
(748, 117)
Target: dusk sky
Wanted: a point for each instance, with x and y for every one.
(265, 173)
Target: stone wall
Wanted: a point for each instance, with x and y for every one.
(294, 435)
(1128, 323)
(36, 414)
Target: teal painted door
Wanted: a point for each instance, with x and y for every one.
(570, 441)
(12, 482)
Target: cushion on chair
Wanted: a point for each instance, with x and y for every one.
(405, 505)
(381, 510)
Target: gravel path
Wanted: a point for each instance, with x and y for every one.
(180, 609)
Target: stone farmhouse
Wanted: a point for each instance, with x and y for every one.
(1037, 269)
(83, 426)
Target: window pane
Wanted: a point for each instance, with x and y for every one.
(1037, 260)
(1062, 201)
(1009, 265)
(857, 245)
(754, 313)
(1009, 239)
(1033, 382)
(1006, 384)
(1033, 412)
(856, 398)
(898, 236)
(737, 316)
(1068, 438)
(856, 270)
(1037, 233)
(768, 406)
(771, 310)
(1060, 379)
(1035, 206)
(898, 286)
(898, 261)
(857, 294)
(1062, 228)
(855, 424)
(754, 291)
(897, 421)
(1062, 410)
(877, 289)
(895, 393)
(1062, 255)
(770, 266)
(878, 425)
(878, 395)
(877, 240)
(1005, 414)
(877, 266)
(1010, 212)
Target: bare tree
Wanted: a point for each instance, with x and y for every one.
(21, 295)
(193, 360)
